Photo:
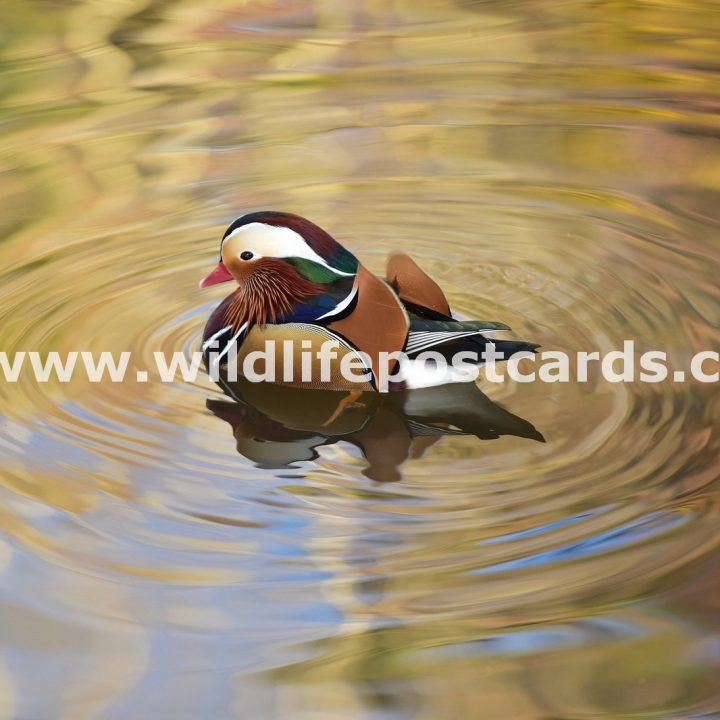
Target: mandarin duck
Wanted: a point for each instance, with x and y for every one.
(295, 282)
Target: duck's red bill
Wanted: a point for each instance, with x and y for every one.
(219, 275)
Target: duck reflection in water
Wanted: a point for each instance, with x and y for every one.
(275, 426)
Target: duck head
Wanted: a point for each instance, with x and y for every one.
(277, 259)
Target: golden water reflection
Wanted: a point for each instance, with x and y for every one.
(555, 166)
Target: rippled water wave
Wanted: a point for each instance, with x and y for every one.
(555, 167)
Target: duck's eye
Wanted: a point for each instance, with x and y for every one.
(246, 255)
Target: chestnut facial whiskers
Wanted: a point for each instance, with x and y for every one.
(268, 294)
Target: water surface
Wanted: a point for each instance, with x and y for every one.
(555, 166)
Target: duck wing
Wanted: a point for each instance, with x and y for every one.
(414, 286)
(432, 327)
(449, 337)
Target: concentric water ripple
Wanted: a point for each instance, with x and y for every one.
(554, 168)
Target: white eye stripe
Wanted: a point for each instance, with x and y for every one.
(271, 241)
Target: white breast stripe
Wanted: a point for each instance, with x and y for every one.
(214, 337)
(341, 305)
(219, 357)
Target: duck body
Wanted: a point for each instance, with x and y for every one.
(299, 288)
